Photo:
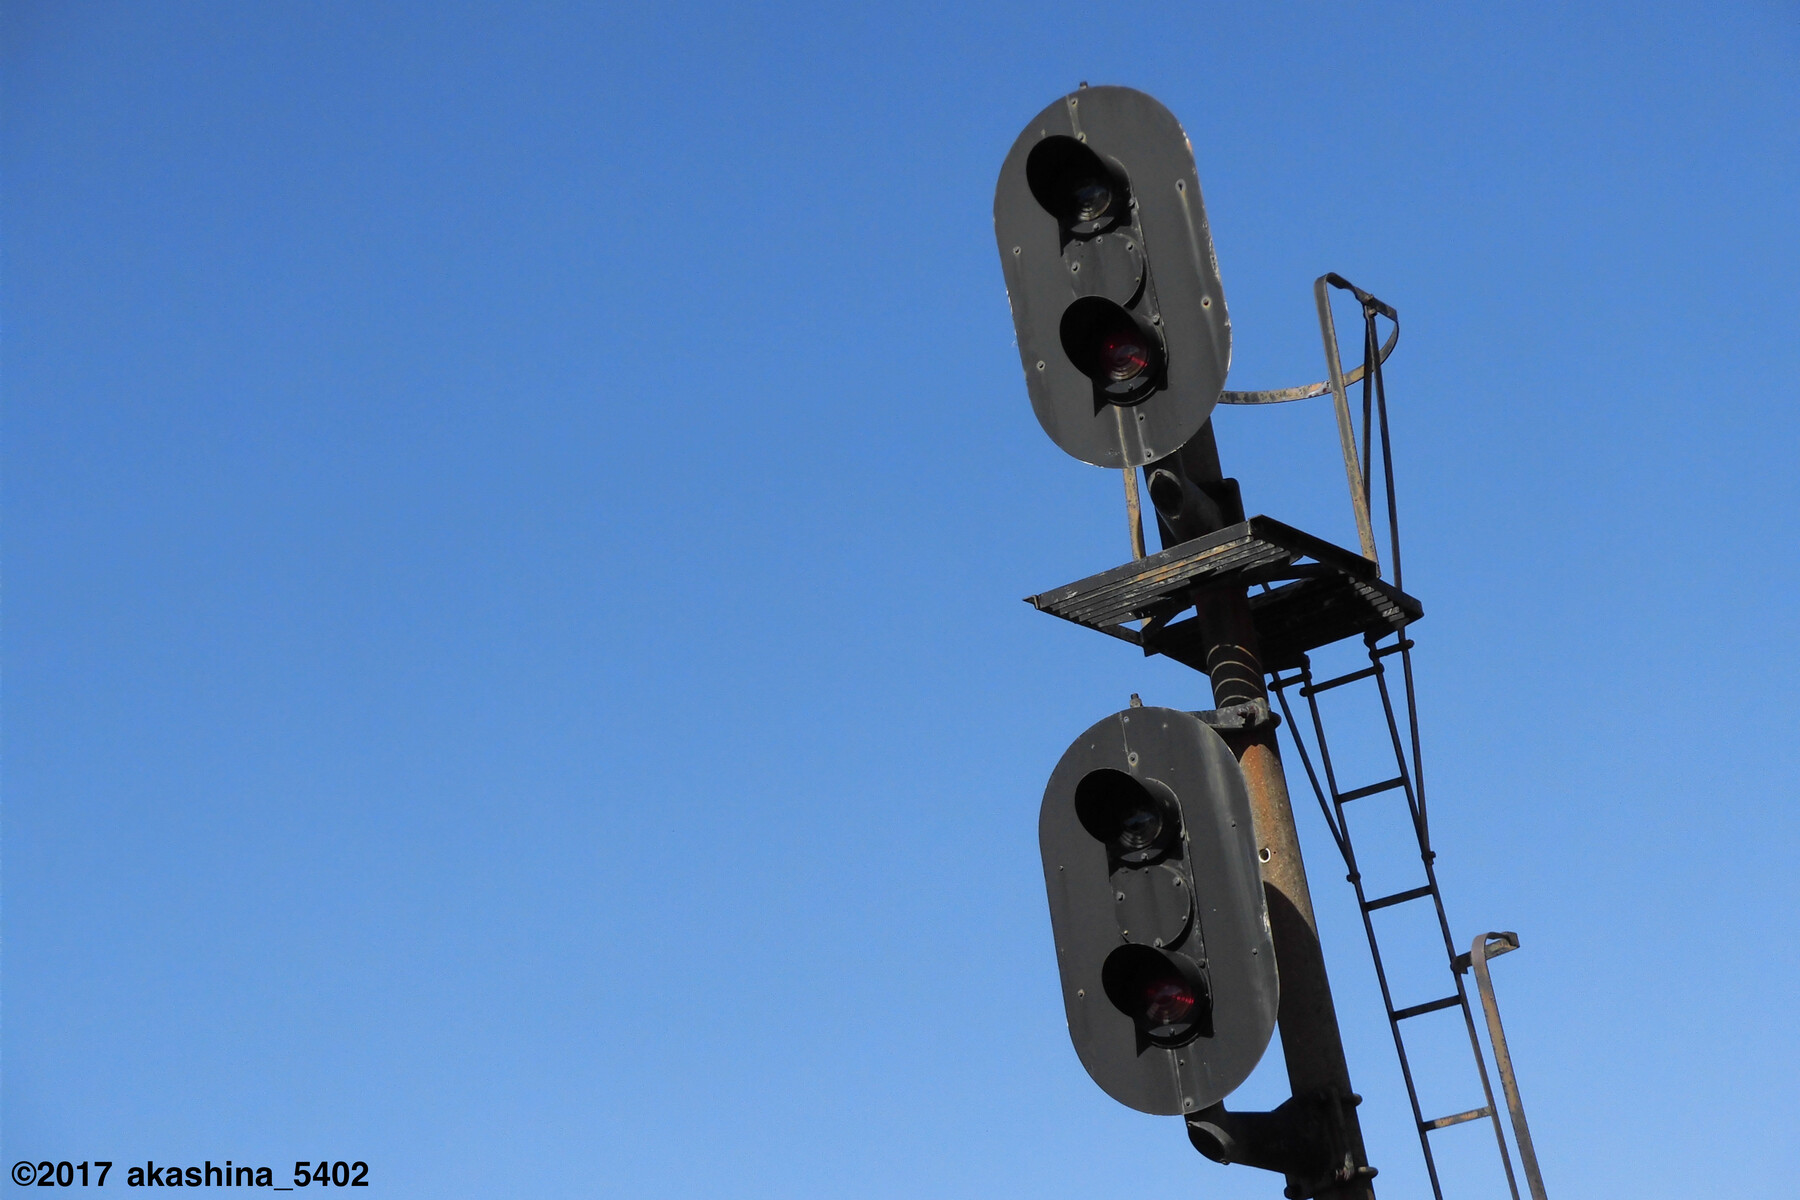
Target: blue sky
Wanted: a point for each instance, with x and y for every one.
(514, 523)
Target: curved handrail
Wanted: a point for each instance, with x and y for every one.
(1309, 390)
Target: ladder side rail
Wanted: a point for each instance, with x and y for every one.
(1415, 799)
(1412, 721)
(1428, 857)
(1372, 374)
(1462, 994)
(1365, 529)
(1368, 443)
(1416, 766)
(1381, 978)
(1412, 1087)
(1374, 409)
(1279, 687)
(1318, 722)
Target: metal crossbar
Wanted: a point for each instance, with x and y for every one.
(1418, 893)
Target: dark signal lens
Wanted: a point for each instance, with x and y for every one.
(1140, 827)
(1123, 356)
(1137, 819)
(1085, 193)
(1092, 200)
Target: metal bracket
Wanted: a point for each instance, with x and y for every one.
(1501, 943)
(1235, 718)
(1302, 1139)
(1487, 946)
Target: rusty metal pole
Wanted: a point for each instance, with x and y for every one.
(1310, 1040)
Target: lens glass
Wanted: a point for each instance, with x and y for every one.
(1123, 356)
(1092, 199)
(1139, 828)
(1167, 1002)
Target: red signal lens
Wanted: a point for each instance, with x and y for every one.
(1165, 993)
(1167, 1002)
(1123, 355)
(1109, 344)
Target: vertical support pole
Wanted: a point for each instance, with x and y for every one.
(1359, 489)
(1134, 513)
(1310, 1040)
(1515, 1105)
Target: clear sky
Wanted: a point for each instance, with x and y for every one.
(515, 518)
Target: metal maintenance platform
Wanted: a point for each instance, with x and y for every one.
(1321, 593)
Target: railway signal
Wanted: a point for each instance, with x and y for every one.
(1162, 932)
(1110, 273)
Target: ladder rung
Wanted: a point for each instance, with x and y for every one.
(1419, 1010)
(1396, 648)
(1417, 893)
(1277, 682)
(1372, 789)
(1474, 1114)
(1312, 689)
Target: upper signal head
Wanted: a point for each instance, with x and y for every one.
(1110, 272)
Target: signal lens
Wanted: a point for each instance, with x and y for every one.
(1123, 356)
(1137, 819)
(1076, 186)
(1139, 828)
(1166, 994)
(1120, 352)
(1167, 1002)
(1092, 200)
